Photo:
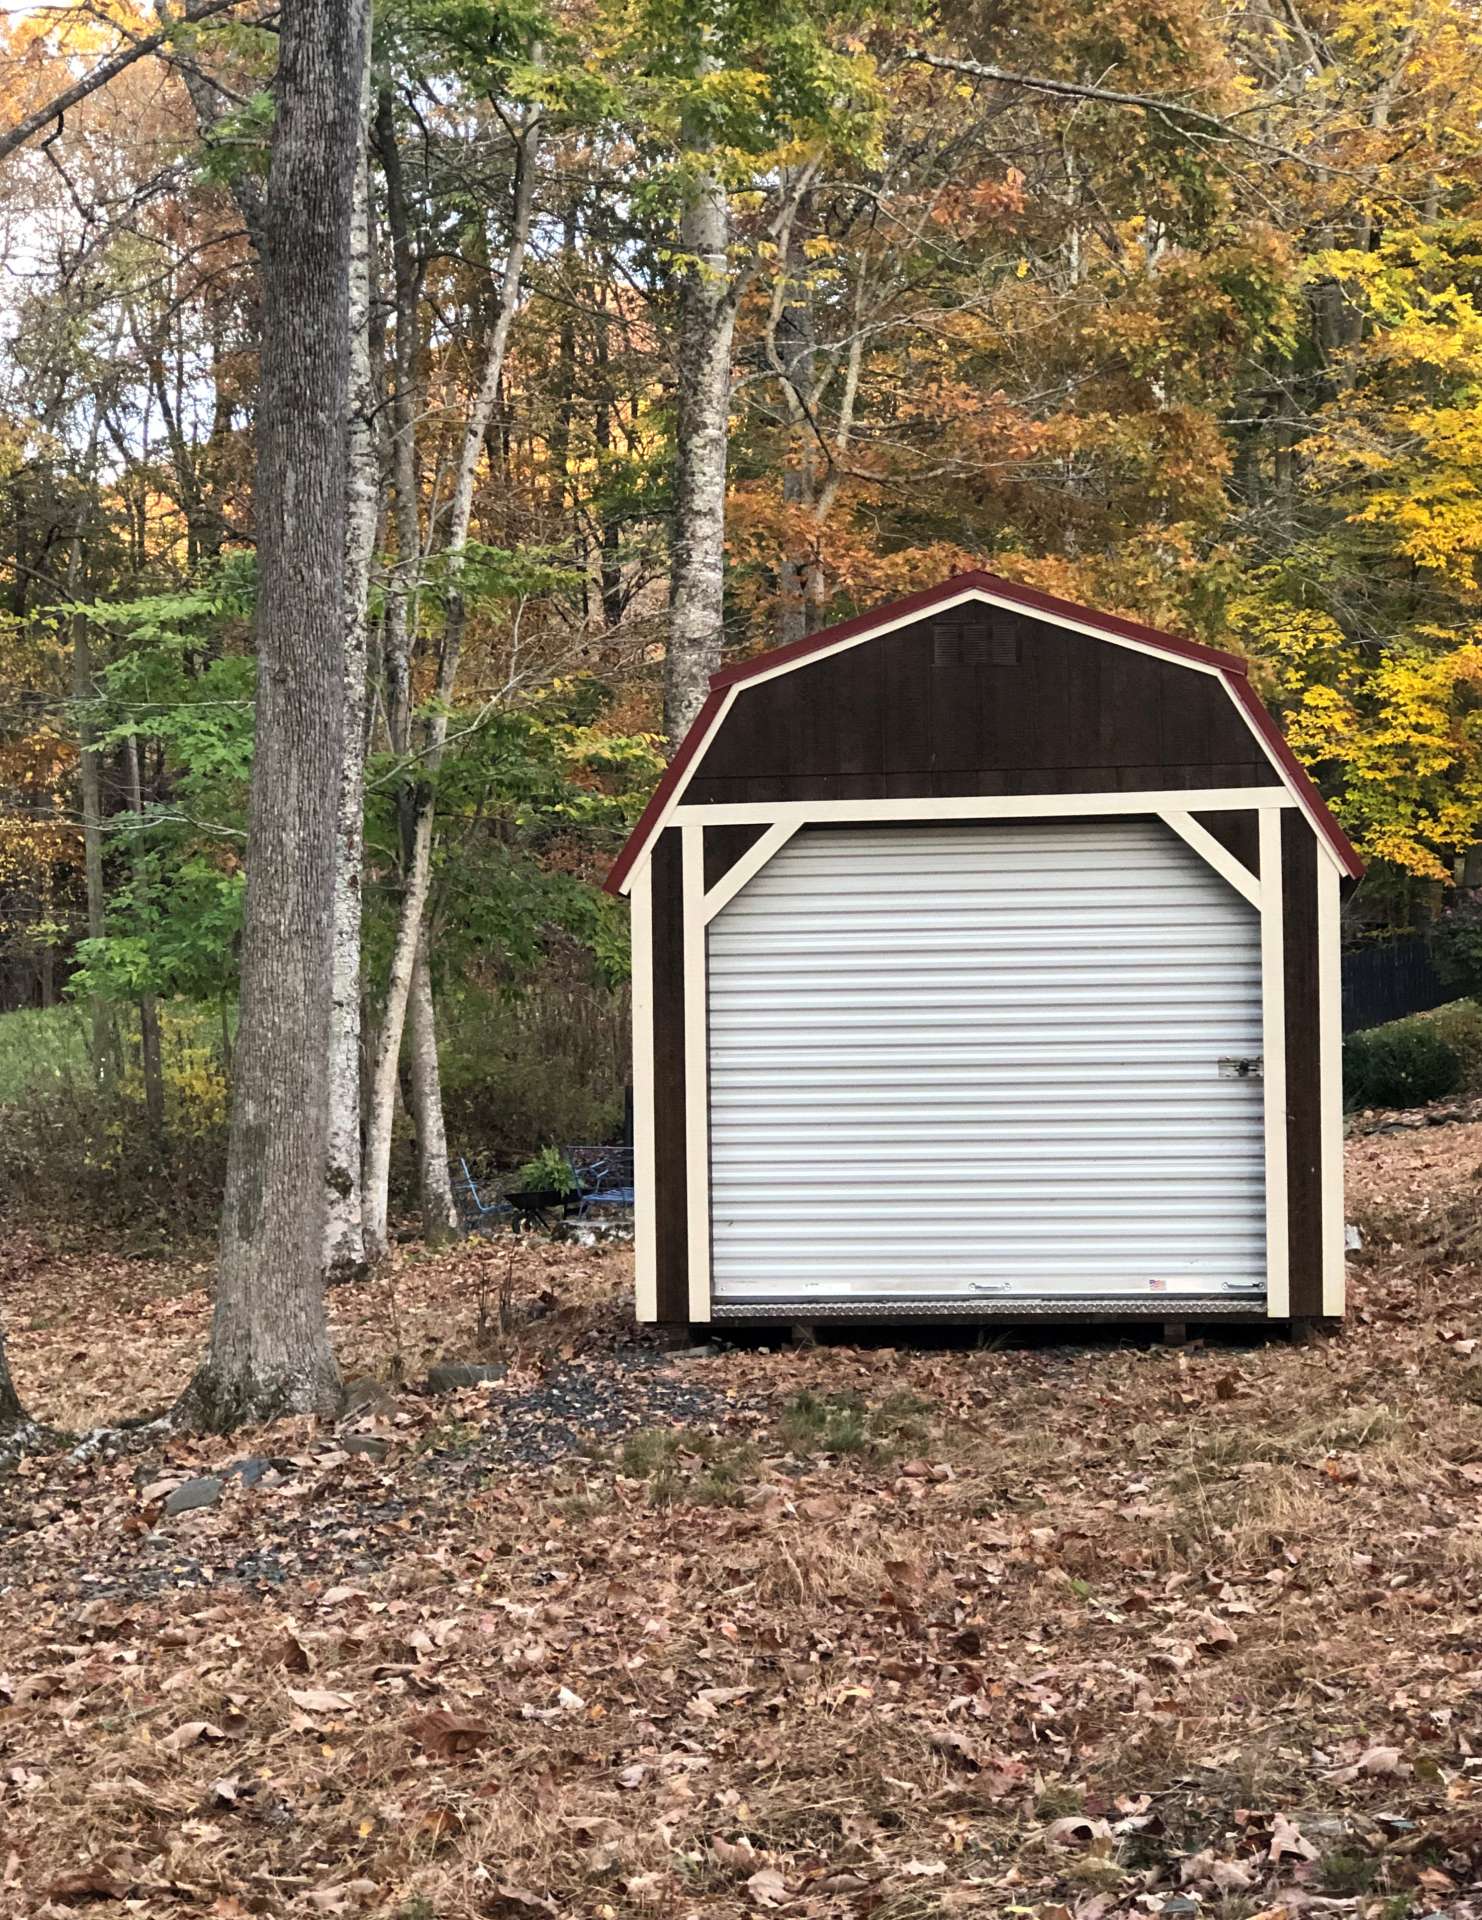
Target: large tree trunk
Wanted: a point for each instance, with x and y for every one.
(420, 799)
(269, 1351)
(707, 324)
(344, 1241)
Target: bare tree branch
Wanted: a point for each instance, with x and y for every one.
(1174, 112)
(107, 70)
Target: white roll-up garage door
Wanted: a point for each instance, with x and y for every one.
(977, 1062)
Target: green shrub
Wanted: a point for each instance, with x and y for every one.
(548, 1064)
(1460, 1025)
(1405, 1064)
(548, 1171)
(80, 1151)
(40, 1046)
(1456, 946)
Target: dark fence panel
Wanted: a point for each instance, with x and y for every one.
(1386, 979)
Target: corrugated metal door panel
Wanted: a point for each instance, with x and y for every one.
(955, 1061)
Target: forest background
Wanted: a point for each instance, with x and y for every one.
(678, 330)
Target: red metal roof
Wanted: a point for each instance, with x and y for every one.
(1230, 667)
(1297, 776)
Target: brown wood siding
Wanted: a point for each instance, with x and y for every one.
(724, 846)
(671, 1222)
(1237, 833)
(1299, 857)
(978, 701)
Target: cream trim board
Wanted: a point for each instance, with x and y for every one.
(1017, 806)
(1265, 895)
(1273, 1069)
(696, 1072)
(645, 1208)
(747, 867)
(1330, 1066)
(1214, 853)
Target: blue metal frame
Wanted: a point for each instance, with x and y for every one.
(604, 1176)
(471, 1203)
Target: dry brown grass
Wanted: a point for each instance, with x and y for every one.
(1177, 1595)
(96, 1338)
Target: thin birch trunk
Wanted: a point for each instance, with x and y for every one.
(790, 348)
(405, 400)
(344, 1240)
(269, 1351)
(439, 1208)
(90, 782)
(707, 326)
(610, 568)
(151, 1060)
(816, 463)
(418, 872)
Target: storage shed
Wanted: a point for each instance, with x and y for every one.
(985, 965)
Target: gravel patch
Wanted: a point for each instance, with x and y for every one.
(583, 1408)
(298, 1527)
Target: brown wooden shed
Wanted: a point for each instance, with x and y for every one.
(985, 965)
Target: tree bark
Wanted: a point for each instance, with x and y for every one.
(269, 1351)
(404, 410)
(12, 1413)
(610, 570)
(790, 347)
(152, 1065)
(439, 1208)
(419, 813)
(209, 104)
(151, 1058)
(90, 783)
(344, 1240)
(707, 325)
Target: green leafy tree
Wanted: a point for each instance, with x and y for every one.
(182, 687)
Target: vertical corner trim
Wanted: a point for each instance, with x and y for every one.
(645, 1204)
(696, 1070)
(1273, 1025)
(1330, 1057)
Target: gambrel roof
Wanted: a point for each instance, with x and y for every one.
(1228, 669)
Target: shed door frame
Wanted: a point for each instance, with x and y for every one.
(780, 820)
